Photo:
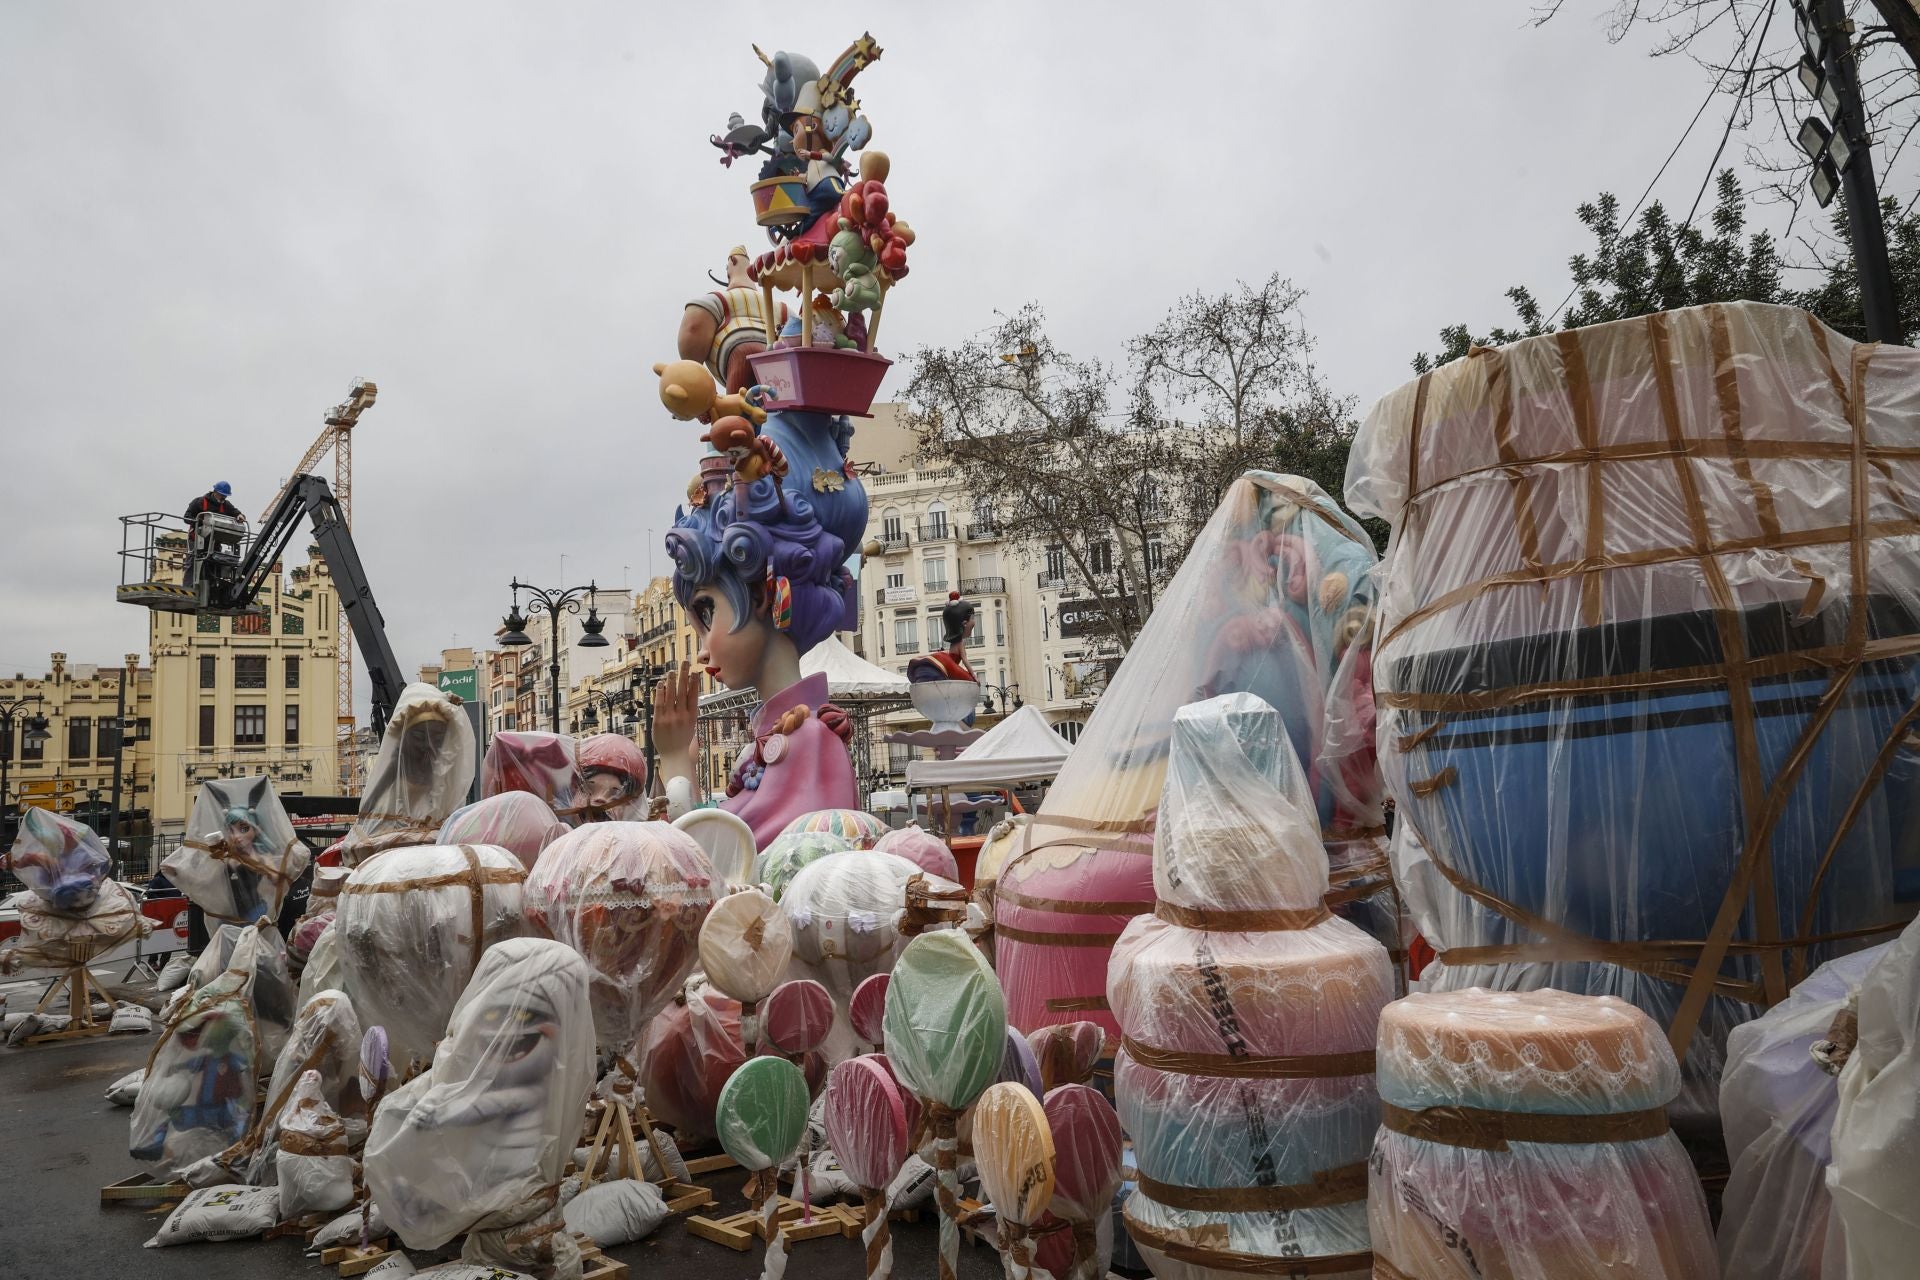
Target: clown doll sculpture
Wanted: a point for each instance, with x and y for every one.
(764, 583)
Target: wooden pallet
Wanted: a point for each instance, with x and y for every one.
(595, 1265)
(711, 1164)
(82, 990)
(353, 1260)
(739, 1231)
(141, 1189)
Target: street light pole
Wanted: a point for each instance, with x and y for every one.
(36, 729)
(553, 603)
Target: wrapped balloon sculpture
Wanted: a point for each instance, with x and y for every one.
(1076, 1235)
(786, 854)
(518, 821)
(859, 829)
(613, 779)
(867, 1009)
(198, 1095)
(420, 776)
(1526, 1135)
(1274, 568)
(630, 897)
(866, 1125)
(326, 1041)
(241, 854)
(413, 926)
(1247, 1013)
(946, 1031)
(1644, 657)
(1014, 1146)
(61, 861)
(847, 911)
(1067, 1052)
(478, 1142)
(746, 944)
(922, 848)
(762, 1117)
(728, 841)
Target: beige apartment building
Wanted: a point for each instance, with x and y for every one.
(92, 722)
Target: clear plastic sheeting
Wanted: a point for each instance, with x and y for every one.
(240, 854)
(488, 1128)
(922, 848)
(60, 860)
(861, 830)
(613, 773)
(1777, 1107)
(728, 841)
(322, 971)
(545, 765)
(53, 939)
(746, 943)
(273, 998)
(1646, 653)
(413, 926)
(1247, 1013)
(314, 1170)
(326, 1041)
(420, 776)
(1875, 1174)
(1272, 574)
(846, 909)
(1525, 1136)
(788, 852)
(199, 1092)
(630, 897)
(1076, 1236)
(692, 1049)
(517, 821)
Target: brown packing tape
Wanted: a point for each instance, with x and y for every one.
(1181, 1247)
(1004, 892)
(1209, 920)
(1409, 741)
(334, 1143)
(1726, 392)
(1573, 362)
(477, 901)
(1077, 1004)
(464, 879)
(1500, 389)
(1438, 782)
(1384, 1270)
(1484, 1130)
(1226, 1066)
(1038, 939)
(1343, 1185)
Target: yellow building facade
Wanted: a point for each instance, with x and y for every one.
(89, 726)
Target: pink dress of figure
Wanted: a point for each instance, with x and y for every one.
(815, 771)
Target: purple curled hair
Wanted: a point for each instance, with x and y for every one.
(718, 546)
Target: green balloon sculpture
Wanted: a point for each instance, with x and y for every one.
(762, 1117)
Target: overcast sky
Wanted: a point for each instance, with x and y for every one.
(214, 217)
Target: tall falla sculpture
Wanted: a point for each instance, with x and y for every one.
(775, 363)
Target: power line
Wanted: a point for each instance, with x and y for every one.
(1746, 81)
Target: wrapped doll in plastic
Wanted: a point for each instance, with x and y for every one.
(325, 1040)
(613, 779)
(630, 897)
(421, 775)
(518, 821)
(197, 1098)
(69, 912)
(541, 764)
(478, 1142)
(1247, 1015)
(314, 1171)
(414, 924)
(240, 854)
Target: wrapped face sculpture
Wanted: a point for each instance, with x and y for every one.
(241, 854)
(60, 860)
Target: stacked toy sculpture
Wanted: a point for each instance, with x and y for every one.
(240, 855)
(420, 777)
(70, 912)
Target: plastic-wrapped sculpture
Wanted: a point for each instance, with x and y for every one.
(1635, 561)
(785, 855)
(630, 897)
(1076, 1235)
(867, 1010)
(325, 1040)
(1525, 1136)
(846, 910)
(414, 925)
(70, 912)
(478, 1142)
(728, 842)
(1263, 572)
(746, 943)
(613, 772)
(241, 853)
(1014, 1147)
(691, 1051)
(1777, 1105)
(314, 1171)
(1247, 1013)
(518, 821)
(273, 999)
(322, 971)
(762, 1119)
(1067, 1052)
(541, 764)
(198, 1095)
(922, 848)
(861, 830)
(421, 775)
(866, 1122)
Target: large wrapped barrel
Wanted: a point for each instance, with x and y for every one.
(1273, 574)
(1247, 1013)
(1644, 673)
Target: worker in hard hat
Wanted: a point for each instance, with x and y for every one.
(218, 500)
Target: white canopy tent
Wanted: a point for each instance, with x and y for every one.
(1021, 748)
(849, 675)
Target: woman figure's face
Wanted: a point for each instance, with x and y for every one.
(734, 658)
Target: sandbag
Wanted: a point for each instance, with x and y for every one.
(220, 1213)
(173, 972)
(125, 1091)
(130, 1019)
(617, 1212)
(345, 1229)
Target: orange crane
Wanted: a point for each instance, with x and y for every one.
(337, 435)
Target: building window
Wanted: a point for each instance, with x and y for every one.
(207, 670)
(1100, 556)
(906, 636)
(249, 670)
(897, 579)
(31, 748)
(252, 624)
(206, 726)
(890, 527)
(982, 517)
(936, 521)
(250, 726)
(207, 623)
(936, 575)
(1153, 502)
(6, 746)
(293, 724)
(1069, 729)
(142, 729)
(1156, 555)
(1056, 562)
(293, 671)
(292, 624)
(999, 626)
(107, 740)
(79, 737)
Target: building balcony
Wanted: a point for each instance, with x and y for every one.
(892, 542)
(1051, 582)
(906, 650)
(939, 531)
(983, 586)
(985, 532)
(656, 631)
(939, 588)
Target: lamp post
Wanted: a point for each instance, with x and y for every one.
(553, 603)
(1009, 697)
(35, 735)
